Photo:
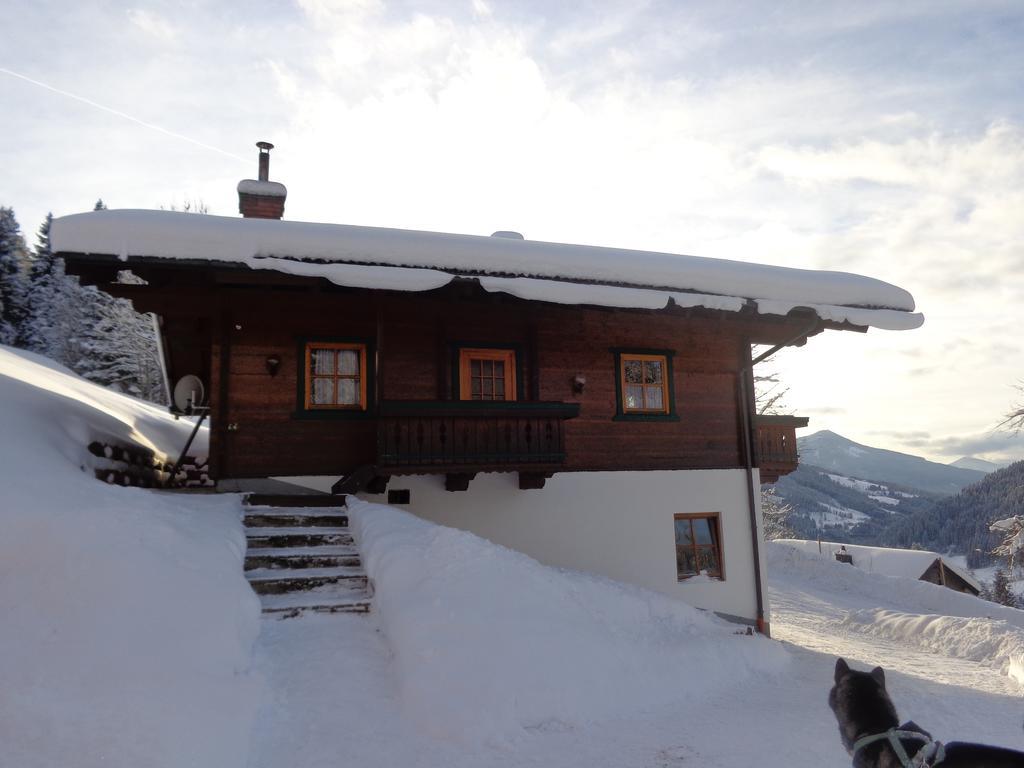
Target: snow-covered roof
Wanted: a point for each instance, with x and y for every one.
(397, 259)
(903, 563)
(257, 187)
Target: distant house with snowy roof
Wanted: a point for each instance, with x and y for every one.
(917, 564)
(592, 407)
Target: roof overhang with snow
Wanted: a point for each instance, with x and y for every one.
(409, 260)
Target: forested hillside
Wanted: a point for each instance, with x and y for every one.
(841, 508)
(960, 523)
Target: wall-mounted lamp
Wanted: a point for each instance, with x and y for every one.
(579, 381)
(273, 363)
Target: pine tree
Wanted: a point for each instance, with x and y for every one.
(43, 263)
(100, 205)
(116, 346)
(13, 263)
(1001, 592)
(42, 292)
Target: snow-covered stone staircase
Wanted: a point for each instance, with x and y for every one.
(301, 557)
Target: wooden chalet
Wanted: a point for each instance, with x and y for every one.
(594, 406)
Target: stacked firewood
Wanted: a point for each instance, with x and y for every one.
(140, 467)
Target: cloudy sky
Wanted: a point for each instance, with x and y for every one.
(880, 138)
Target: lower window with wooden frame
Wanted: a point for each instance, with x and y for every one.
(335, 376)
(699, 545)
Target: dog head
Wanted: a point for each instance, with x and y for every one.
(860, 703)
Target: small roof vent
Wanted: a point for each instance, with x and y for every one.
(508, 234)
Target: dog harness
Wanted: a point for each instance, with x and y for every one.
(931, 754)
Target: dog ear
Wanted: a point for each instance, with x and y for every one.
(879, 674)
(842, 669)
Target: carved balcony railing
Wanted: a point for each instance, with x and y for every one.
(776, 445)
(469, 436)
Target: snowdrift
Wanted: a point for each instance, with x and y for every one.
(488, 642)
(992, 642)
(128, 624)
(918, 613)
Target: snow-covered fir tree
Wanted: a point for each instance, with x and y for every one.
(118, 348)
(13, 267)
(42, 295)
(99, 337)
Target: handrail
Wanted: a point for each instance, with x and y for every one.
(460, 434)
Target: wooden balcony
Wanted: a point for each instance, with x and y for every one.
(776, 445)
(461, 438)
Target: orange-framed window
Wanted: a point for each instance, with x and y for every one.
(487, 374)
(698, 545)
(335, 375)
(644, 383)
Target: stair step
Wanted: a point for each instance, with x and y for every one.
(292, 605)
(294, 500)
(325, 550)
(281, 540)
(274, 574)
(302, 557)
(325, 519)
(293, 530)
(299, 561)
(299, 581)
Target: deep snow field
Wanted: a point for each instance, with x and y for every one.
(130, 637)
(127, 626)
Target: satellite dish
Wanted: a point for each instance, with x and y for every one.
(189, 393)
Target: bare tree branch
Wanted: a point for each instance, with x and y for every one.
(768, 394)
(1014, 418)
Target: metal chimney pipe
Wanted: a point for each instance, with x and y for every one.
(265, 147)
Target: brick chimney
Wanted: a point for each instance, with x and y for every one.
(262, 198)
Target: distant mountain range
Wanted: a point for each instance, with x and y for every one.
(970, 462)
(835, 453)
(846, 491)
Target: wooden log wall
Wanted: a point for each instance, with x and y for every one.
(263, 431)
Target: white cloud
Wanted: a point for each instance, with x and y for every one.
(153, 24)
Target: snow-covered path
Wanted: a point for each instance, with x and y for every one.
(334, 702)
(335, 699)
(813, 620)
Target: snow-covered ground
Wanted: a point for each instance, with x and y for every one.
(127, 625)
(128, 637)
(837, 514)
(877, 492)
(961, 691)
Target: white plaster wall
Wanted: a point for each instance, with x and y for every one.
(617, 524)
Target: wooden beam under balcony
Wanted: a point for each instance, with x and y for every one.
(464, 437)
(776, 445)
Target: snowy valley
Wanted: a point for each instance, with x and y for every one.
(853, 493)
(132, 638)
